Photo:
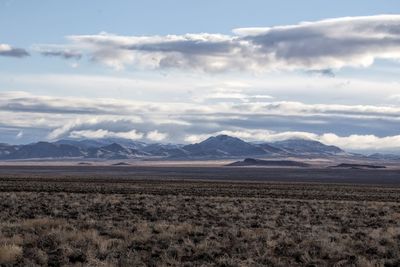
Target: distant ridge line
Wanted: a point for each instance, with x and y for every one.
(214, 147)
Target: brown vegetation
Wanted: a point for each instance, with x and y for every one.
(10, 254)
(66, 222)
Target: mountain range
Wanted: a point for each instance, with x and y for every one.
(215, 147)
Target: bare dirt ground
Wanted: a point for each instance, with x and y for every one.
(143, 216)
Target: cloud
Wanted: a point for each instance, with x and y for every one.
(323, 72)
(196, 51)
(231, 94)
(9, 51)
(363, 142)
(101, 133)
(329, 44)
(62, 115)
(395, 97)
(319, 46)
(19, 135)
(94, 126)
(66, 54)
(132, 134)
(15, 101)
(156, 136)
(164, 121)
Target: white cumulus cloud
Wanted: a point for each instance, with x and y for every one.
(156, 136)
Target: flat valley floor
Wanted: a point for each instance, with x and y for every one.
(198, 216)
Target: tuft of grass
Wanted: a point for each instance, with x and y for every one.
(10, 254)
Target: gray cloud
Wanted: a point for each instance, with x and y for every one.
(333, 43)
(174, 122)
(323, 72)
(189, 44)
(9, 51)
(66, 54)
(25, 102)
(315, 46)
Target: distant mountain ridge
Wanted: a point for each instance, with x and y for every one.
(215, 147)
(307, 147)
(222, 146)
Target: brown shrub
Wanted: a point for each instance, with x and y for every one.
(10, 254)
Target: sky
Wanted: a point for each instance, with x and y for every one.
(180, 71)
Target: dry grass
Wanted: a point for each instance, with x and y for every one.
(201, 224)
(10, 254)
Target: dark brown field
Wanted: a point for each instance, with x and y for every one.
(169, 216)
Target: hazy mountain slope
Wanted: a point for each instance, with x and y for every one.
(270, 149)
(302, 146)
(223, 146)
(165, 150)
(45, 150)
(6, 150)
(113, 151)
(87, 143)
